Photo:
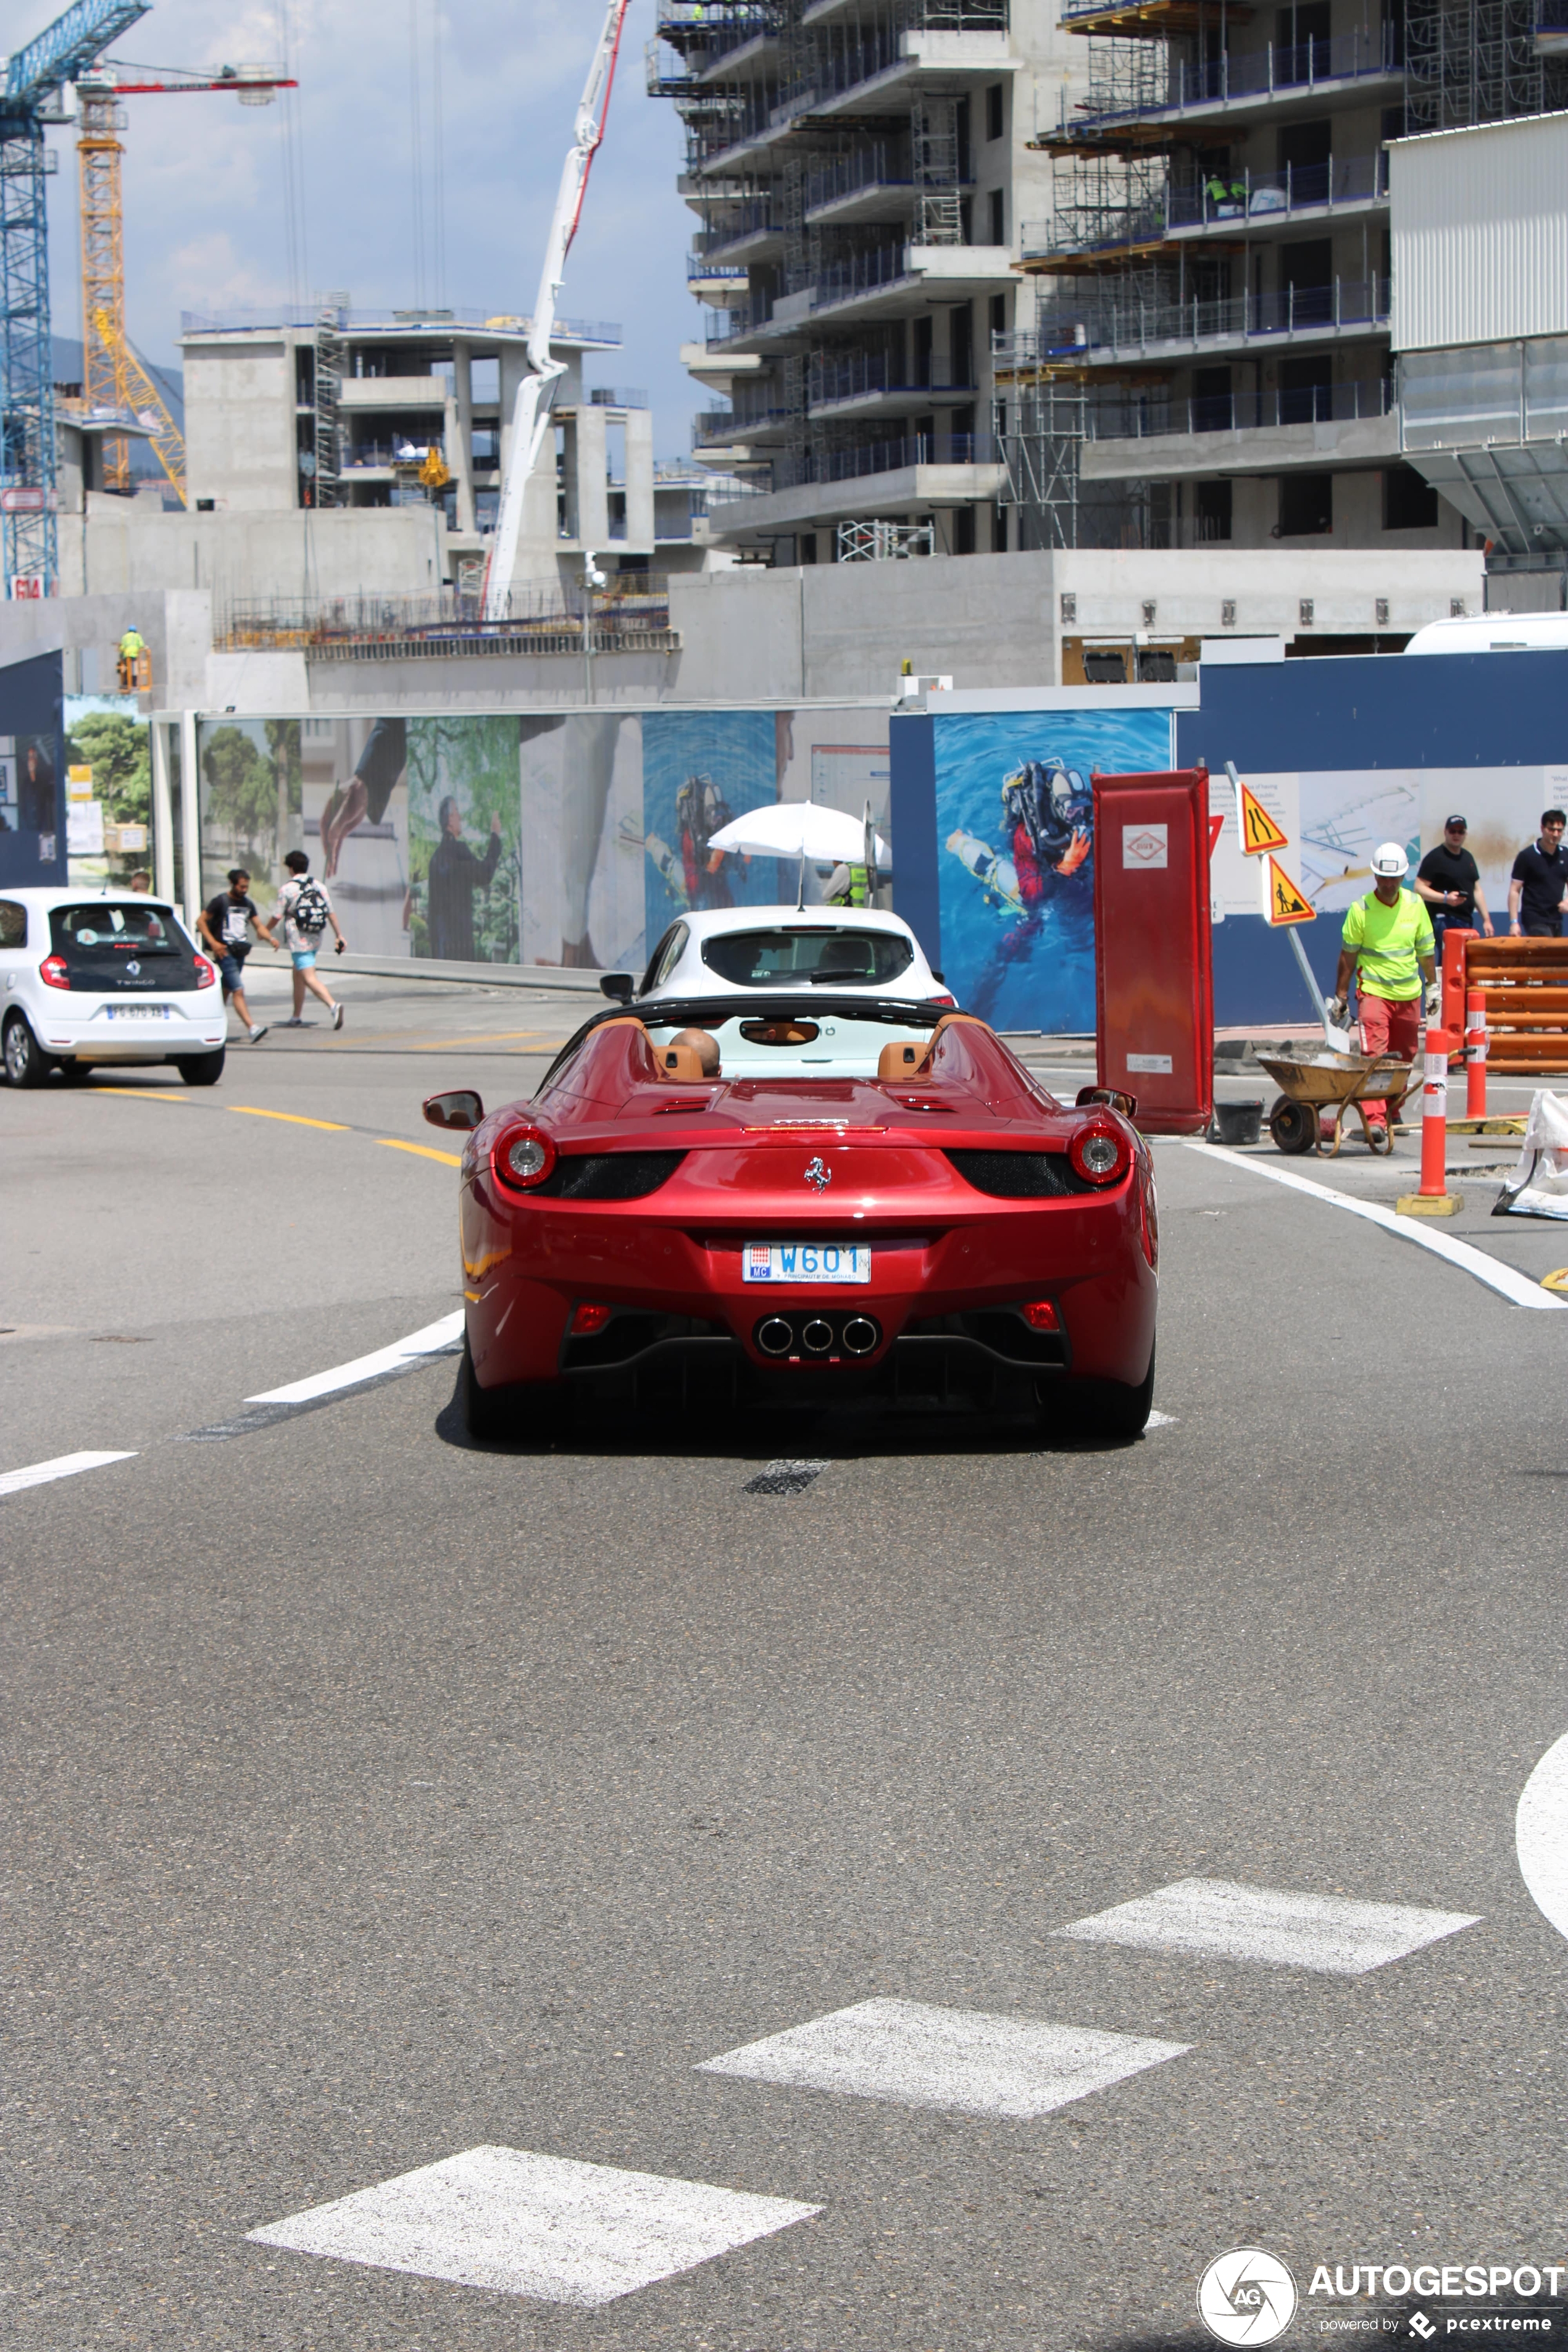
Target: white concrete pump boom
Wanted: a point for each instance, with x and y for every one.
(531, 417)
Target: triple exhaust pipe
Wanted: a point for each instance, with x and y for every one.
(817, 1335)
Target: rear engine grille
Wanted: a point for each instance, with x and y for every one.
(609, 1175)
(1019, 1175)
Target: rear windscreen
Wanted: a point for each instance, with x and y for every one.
(820, 954)
(834, 1044)
(134, 943)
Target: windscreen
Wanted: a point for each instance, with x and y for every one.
(134, 943)
(818, 953)
(820, 1044)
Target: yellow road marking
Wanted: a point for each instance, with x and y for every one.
(249, 1110)
(144, 1094)
(491, 1038)
(394, 1143)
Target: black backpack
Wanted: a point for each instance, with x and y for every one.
(311, 912)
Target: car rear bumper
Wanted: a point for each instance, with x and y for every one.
(84, 1029)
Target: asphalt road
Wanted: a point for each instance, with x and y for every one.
(372, 1798)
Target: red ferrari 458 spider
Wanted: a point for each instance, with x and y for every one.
(713, 1200)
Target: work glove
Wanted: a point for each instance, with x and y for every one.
(1434, 1002)
(1078, 849)
(1339, 1011)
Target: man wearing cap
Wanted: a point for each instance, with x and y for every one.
(1450, 880)
(1389, 950)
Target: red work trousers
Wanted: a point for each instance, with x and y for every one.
(1389, 1028)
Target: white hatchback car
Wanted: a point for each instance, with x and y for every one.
(851, 950)
(103, 976)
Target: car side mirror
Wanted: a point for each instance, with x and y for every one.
(1126, 1104)
(461, 1109)
(618, 984)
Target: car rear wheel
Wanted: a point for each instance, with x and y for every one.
(200, 1069)
(1101, 1408)
(522, 1410)
(26, 1064)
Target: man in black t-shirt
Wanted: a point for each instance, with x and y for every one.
(1540, 884)
(1450, 880)
(223, 924)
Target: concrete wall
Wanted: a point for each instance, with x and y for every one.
(240, 424)
(335, 551)
(88, 630)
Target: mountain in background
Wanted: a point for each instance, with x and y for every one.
(70, 369)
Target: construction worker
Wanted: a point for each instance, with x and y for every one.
(1388, 950)
(132, 645)
(848, 885)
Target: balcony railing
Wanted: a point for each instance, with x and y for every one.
(1121, 323)
(1248, 73)
(741, 319)
(859, 273)
(1149, 415)
(878, 165)
(853, 463)
(1239, 196)
(714, 429)
(755, 218)
(867, 373)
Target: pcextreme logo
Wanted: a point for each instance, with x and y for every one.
(1246, 2297)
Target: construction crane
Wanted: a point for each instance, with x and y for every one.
(30, 94)
(531, 415)
(113, 375)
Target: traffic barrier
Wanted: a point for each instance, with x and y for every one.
(1476, 1053)
(1523, 988)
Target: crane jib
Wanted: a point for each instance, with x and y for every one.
(68, 45)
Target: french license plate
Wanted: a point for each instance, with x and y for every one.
(138, 1012)
(807, 1262)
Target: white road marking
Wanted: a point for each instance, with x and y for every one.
(1212, 1917)
(1540, 1835)
(1161, 1421)
(956, 2059)
(64, 1466)
(431, 1342)
(1520, 1289)
(536, 2225)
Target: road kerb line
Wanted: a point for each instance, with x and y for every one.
(433, 1340)
(422, 1151)
(64, 1466)
(143, 1094)
(292, 1117)
(1516, 1287)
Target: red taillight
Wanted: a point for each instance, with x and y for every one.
(944, 999)
(1100, 1151)
(586, 1320)
(205, 975)
(523, 1156)
(1041, 1315)
(53, 973)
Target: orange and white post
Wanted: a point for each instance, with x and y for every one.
(1434, 1199)
(1475, 1054)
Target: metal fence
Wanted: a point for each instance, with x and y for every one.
(1145, 416)
(624, 617)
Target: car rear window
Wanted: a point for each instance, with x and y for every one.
(818, 953)
(98, 943)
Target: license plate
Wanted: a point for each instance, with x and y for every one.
(807, 1262)
(138, 1012)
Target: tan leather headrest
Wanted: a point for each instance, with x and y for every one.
(681, 1064)
(903, 1060)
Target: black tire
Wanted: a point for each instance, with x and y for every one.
(1101, 1409)
(27, 1064)
(200, 1069)
(1293, 1126)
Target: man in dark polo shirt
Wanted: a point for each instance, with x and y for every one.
(1540, 884)
(1451, 882)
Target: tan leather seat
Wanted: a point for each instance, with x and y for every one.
(904, 1060)
(681, 1064)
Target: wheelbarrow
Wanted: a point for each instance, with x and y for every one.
(1337, 1083)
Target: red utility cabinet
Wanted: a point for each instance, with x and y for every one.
(1154, 975)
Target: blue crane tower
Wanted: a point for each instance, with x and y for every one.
(29, 92)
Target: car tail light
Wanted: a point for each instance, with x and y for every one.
(205, 975)
(944, 999)
(523, 1156)
(1040, 1314)
(1099, 1152)
(53, 973)
(586, 1320)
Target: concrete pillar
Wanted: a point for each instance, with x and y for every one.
(460, 439)
(639, 481)
(593, 501)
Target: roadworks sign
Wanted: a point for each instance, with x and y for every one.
(1259, 833)
(1284, 902)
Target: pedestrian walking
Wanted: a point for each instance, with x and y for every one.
(304, 909)
(1387, 948)
(1539, 891)
(1449, 881)
(454, 875)
(225, 924)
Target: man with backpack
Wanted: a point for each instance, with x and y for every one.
(304, 909)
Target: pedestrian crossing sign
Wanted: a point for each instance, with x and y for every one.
(1284, 903)
(1259, 833)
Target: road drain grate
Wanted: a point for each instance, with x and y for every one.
(785, 1478)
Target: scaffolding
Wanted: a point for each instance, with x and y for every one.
(1041, 423)
(1471, 61)
(326, 386)
(933, 145)
(884, 542)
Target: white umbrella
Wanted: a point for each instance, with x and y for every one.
(823, 836)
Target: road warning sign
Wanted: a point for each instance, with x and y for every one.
(1259, 833)
(1284, 903)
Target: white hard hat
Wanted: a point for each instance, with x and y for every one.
(1389, 858)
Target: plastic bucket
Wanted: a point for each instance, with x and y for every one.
(1237, 1122)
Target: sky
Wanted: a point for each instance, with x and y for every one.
(205, 178)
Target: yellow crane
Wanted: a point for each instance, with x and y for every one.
(113, 377)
